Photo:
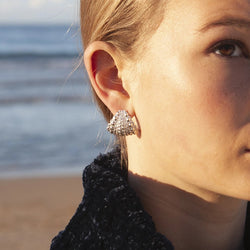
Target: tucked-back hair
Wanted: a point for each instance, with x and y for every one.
(126, 24)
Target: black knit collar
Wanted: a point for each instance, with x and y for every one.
(111, 216)
(116, 208)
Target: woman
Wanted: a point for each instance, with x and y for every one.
(181, 70)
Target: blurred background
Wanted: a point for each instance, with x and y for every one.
(50, 128)
(48, 122)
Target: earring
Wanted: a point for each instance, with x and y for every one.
(121, 124)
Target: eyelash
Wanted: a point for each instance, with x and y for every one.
(231, 42)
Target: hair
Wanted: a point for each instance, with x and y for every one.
(125, 24)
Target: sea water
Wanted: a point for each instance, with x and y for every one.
(48, 121)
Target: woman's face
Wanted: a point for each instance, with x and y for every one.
(191, 95)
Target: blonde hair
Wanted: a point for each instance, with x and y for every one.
(125, 24)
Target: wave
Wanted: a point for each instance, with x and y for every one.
(37, 42)
(38, 54)
(54, 99)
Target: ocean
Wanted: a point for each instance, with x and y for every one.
(49, 124)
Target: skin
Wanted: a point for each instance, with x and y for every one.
(190, 164)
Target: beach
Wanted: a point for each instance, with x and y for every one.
(49, 127)
(34, 210)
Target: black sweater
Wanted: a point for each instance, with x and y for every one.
(110, 216)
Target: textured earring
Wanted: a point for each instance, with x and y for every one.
(121, 124)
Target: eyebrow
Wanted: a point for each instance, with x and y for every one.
(227, 21)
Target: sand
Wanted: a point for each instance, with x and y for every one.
(33, 211)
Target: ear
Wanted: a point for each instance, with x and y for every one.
(104, 66)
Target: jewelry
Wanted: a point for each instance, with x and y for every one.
(121, 124)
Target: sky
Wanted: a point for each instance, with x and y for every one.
(39, 11)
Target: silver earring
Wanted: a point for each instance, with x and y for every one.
(121, 124)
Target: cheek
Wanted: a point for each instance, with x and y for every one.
(221, 95)
(192, 112)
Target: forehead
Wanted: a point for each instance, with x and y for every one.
(209, 5)
(207, 10)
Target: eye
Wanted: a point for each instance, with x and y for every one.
(229, 49)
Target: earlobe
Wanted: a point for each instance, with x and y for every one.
(101, 61)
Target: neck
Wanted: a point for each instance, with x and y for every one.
(190, 222)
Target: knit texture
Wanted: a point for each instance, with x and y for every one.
(110, 216)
